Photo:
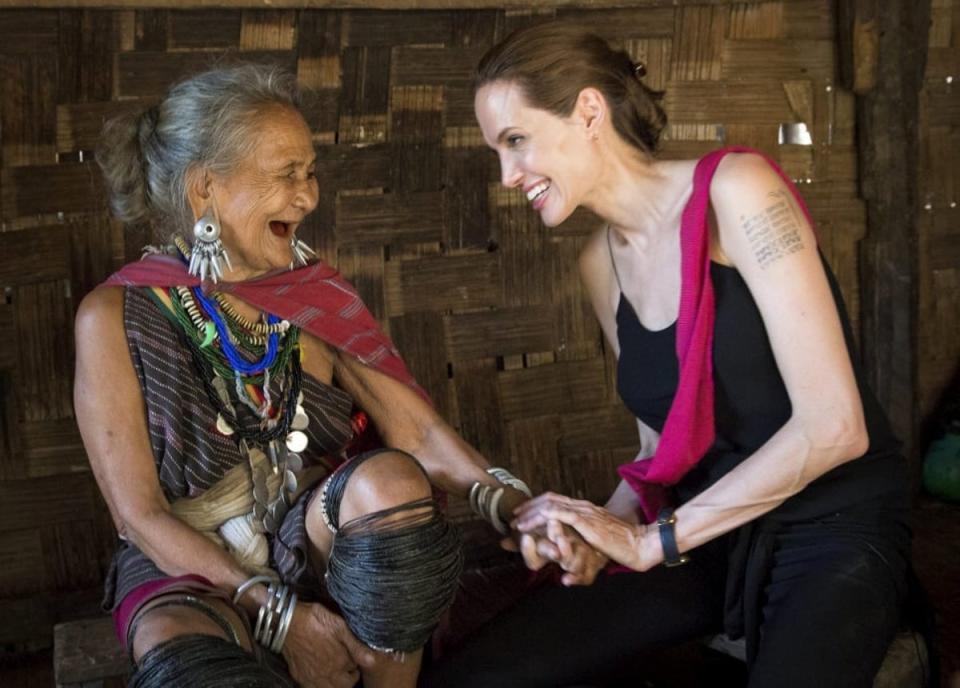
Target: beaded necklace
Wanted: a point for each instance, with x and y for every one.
(212, 330)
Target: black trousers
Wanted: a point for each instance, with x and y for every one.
(832, 603)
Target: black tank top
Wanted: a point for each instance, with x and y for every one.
(750, 399)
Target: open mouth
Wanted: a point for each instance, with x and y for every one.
(281, 229)
(537, 195)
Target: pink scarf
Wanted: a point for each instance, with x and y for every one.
(315, 298)
(689, 429)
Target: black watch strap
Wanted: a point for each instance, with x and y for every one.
(666, 520)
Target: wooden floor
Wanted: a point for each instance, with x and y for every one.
(936, 558)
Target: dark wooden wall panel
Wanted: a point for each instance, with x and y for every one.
(482, 299)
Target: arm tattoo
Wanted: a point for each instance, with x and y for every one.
(775, 232)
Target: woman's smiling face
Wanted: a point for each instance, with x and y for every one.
(265, 198)
(540, 152)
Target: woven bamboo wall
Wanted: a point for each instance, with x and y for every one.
(483, 300)
(938, 350)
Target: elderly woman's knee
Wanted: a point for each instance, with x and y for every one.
(166, 618)
(386, 479)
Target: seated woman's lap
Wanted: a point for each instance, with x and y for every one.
(559, 636)
(832, 605)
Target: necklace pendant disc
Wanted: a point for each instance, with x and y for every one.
(223, 427)
(290, 481)
(300, 420)
(296, 441)
(294, 462)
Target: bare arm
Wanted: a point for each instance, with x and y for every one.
(112, 418)
(764, 234)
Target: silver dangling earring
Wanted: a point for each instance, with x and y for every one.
(301, 253)
(208, 250)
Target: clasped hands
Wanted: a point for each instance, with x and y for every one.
(579, 536)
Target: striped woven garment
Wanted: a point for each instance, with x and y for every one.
(315, 298)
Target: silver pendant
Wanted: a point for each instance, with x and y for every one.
(296, 441)
(300, 419)
(300, 399)
(294, 462)
(223, 427)
(261, 492)
(290, 481)
(269, 523)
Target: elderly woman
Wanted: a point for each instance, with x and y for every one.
(214, 391)
(769, 497)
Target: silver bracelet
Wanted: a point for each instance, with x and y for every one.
(247, 584)
(507, 478)
(284, 626)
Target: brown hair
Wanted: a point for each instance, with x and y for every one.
(553, 62)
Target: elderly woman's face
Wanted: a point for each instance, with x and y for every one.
(265, 199)
(539, 151)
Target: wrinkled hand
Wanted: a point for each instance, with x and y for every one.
(562, 545)
(320, 650)
(603, 531)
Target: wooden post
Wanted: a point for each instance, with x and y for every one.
(883, 54)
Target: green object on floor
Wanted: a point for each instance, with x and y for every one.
(941, 467)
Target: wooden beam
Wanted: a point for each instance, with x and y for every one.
(357, 4)
(888, 131)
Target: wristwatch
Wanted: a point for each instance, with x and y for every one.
(666, 520)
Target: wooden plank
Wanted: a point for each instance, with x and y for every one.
(522, 238)
(87, 650)
(73, 557)
(617, 25)
(419, 338)
(500, 332)
(26, 190)
(268, 30)
(8, 352)
(52, 447)
(888, 161)
(362, 266)
(521, 6)
(593, 475)
(318, 50)
(390, 219)
(44, 324)
(943, 62)
(152, 30)
(812, 19)
(434, 66)
(478, 417)
(35, 255)
(151, 73)
(741, 102)
(779, 60)
(392, 28)
(365, 96)
(204, 29)
(41, 502)
(79, 125)
(763, 20)
(28, 31)
(698, 40)
(27, 108)
(416, 114)
(565, 387)
(607, 427)
(533, 452)
(578, 332)
(465, 175)
(353, 167)
(454, 282)
(23, 568)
